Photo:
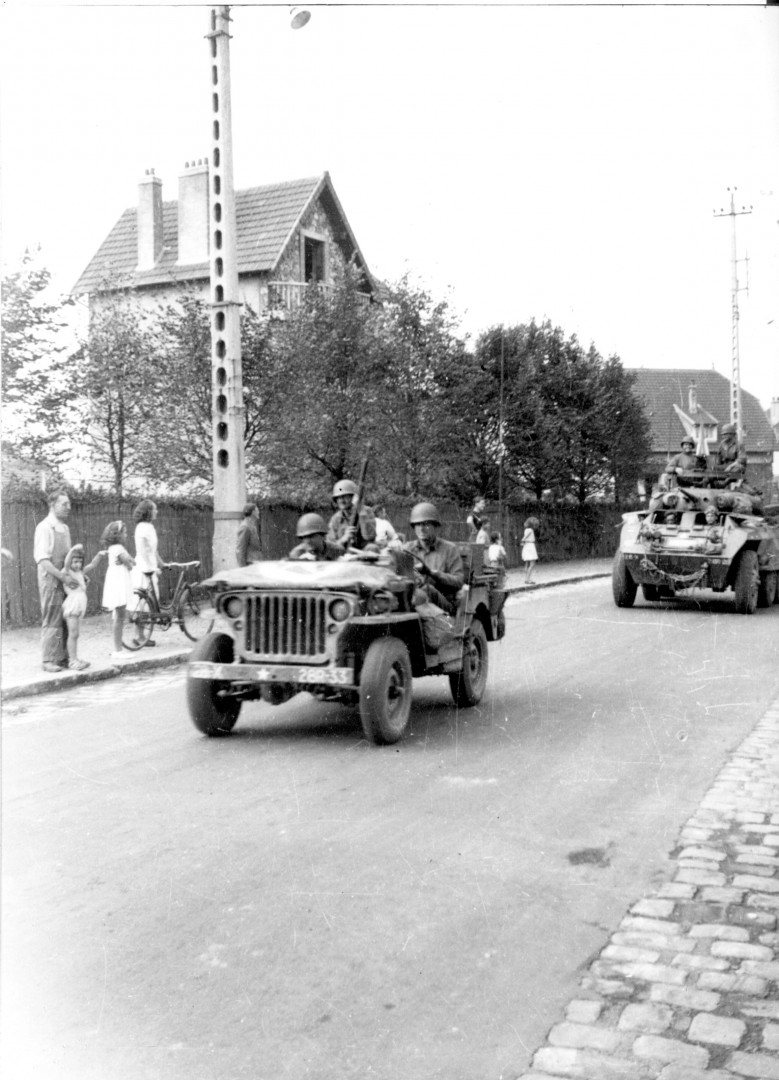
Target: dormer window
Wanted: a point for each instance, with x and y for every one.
(314, 259)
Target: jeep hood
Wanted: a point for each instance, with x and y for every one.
(302, 574)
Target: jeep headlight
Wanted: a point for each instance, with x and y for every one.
(232, 607)
(340, 610)
(380, 602)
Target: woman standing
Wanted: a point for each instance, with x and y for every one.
(147, 556)
(529, 550)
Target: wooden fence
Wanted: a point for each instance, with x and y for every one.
(186, 533)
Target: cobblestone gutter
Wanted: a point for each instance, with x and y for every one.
(688, 987)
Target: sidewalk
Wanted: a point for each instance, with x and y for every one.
(22, 673)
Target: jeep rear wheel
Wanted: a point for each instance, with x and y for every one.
(468, 685)
(622, 584)
(212, 712)
(747, 583)
(385, 691)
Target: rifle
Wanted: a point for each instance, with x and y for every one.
(358, 502)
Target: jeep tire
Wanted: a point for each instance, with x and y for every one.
(211, 713)
(385, 691)
(468, 685)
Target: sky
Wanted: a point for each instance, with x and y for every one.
(556, 161)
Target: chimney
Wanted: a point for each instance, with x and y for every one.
(693, 399)
(193, 213)
(149, 220)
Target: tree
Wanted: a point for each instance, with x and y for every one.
(118, 369)
(572, 423)
(38, 383)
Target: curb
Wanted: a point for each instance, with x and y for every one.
(514, 589)
(68, 681)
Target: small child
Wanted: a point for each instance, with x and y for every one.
(529, 549)
(496, 553)
(117, 588)
(75, 607)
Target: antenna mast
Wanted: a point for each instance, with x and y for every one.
(735, 374)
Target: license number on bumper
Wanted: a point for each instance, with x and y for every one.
(272, 673)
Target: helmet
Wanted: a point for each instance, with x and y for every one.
(424, 511)
(729, 429)
(344, 487)
(687, 441)
(309, 524)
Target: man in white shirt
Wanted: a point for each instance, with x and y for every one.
(51, 545)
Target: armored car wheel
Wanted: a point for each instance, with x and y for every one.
(468, 685)
(747, 582)
(210, 712)
(622, 584)
(766, 593)
(385, 691)
(651, 592)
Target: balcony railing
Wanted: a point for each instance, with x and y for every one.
(285, 296)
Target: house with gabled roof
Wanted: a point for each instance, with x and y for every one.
(290, 236)
(691, 401)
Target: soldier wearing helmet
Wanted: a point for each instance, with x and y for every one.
(730, 456)
(437, 563)
(686, 462)
(314, 546)
(342, 529)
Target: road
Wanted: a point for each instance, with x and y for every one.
(292, 902)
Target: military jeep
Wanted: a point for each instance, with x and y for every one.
(343, 631)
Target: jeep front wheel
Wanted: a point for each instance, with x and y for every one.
(468, 685)
(385, 691)
(212, 711)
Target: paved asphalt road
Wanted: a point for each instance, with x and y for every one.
(292, 902)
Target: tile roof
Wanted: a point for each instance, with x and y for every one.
(266, 218)
(662, 388)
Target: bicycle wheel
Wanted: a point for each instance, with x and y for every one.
(196, 613)
(138, 625)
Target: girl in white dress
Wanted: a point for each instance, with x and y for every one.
(75, 606)
(147, 556)
(117, 588)
(529, 550)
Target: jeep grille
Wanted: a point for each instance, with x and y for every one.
(281, 627)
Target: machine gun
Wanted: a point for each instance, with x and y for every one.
(358, 539)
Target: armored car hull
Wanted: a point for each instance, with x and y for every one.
(701, 534)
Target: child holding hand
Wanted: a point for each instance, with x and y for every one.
(75, 607)
(117, 588)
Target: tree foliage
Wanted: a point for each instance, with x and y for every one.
(528, 410)
(37, 382)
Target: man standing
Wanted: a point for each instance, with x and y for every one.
(685, 462)
(247, 545)
(51, 545)
(437, 562)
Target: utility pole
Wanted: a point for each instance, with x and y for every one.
(227, 409)
(735, 375)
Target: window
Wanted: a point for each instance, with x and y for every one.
(313, 259)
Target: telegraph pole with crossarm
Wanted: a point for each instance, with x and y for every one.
(735, 374)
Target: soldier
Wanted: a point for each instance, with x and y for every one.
(342, 529)
(314, 545)
(247, 545)
(439, 568)
(730, 456)
(687, 461)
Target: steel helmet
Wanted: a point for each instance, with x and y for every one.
(344, 487)
(729, 429)
(424, 511)
(310, 524)
(687, 441)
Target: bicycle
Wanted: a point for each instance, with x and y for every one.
(193, 613)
